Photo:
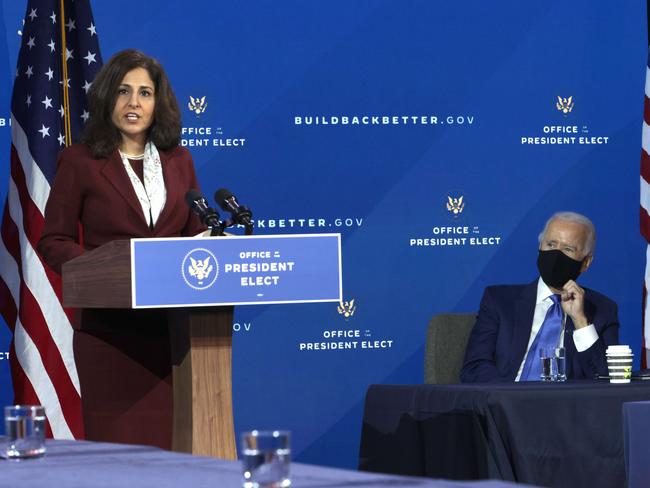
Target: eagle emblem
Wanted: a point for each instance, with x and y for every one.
(200, 268)
(197, 105)
(455, 205)
(564, 105)
(347, 309)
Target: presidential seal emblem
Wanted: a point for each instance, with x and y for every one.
(200, 269)
(197, 105)
(455, 205)
(347, 309)
(564, 105)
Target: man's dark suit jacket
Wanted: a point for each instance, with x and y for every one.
(498, 341)
(98, 194)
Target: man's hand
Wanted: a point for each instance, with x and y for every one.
(573, 299)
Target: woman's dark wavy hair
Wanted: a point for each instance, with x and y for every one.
(100, 134)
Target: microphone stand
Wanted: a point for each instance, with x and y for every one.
(216, 230)
(248, 228)
(214, 224)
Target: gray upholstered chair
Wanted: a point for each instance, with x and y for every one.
(445, 348)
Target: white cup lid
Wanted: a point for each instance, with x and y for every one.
(620, 349)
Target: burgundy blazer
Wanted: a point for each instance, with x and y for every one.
(98, 194)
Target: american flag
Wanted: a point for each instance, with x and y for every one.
(59, 57)
(645, 216)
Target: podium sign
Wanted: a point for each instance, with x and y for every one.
(236, 270)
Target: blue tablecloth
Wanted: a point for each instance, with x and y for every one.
(556, 435)
(636, 432)
(77, 464)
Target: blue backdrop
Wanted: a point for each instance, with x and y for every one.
(429, 134)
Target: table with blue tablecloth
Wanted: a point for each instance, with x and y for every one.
(549, 434)
(78, 464)
(636, 436)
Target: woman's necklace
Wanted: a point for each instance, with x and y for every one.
(131, 156)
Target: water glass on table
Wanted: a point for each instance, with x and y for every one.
(266, 456)
(25, 431)
(546, 356)
(560, 364)
(553, 363)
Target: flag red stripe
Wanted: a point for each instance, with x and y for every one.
(8, 307)
(9, 234)
(646, 110)
(645, 223)
(645, 166)
(644, 218)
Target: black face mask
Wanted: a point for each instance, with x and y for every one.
(556, 268)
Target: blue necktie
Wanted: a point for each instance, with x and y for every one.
(547, 336)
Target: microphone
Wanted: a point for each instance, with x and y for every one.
(208, 215)
(227, 201)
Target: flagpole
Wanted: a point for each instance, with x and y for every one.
(66, 99)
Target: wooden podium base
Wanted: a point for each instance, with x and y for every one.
(201, 347)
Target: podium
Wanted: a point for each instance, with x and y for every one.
(198, 281)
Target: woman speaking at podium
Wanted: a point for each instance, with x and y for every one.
(127, 178)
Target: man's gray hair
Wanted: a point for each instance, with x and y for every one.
(578, 219)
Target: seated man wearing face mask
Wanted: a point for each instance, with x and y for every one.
(515, 321)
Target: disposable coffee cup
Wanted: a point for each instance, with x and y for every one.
(619, 363)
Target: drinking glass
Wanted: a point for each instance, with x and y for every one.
(266, 456)
(25, 431)
(547, 356)
(560, 364)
